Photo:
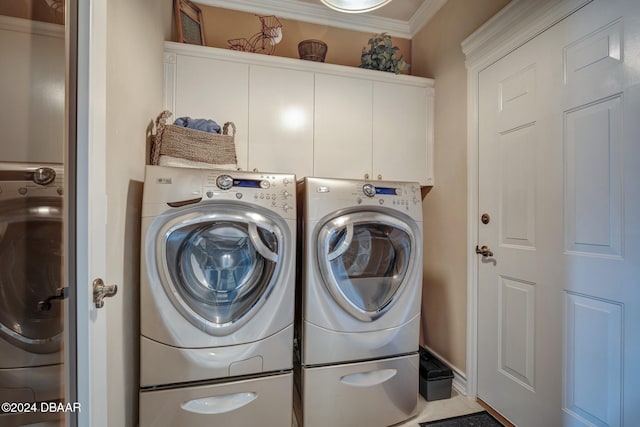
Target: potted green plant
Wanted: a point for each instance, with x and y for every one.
(382, 55)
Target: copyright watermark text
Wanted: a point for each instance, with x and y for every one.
(46, 407)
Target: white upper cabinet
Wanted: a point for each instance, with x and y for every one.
(401, 133)
(307, 118)
(280, 120)
(202, 87)
(343, 127)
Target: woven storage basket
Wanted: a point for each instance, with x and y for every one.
(312, 50)
(193, 145)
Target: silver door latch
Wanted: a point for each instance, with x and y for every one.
(102, 291)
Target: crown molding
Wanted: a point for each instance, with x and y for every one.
(425, 12)
(517, 23)
(317, 14)
(9, 23)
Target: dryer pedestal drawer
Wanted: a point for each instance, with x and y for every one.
(374, 393)
(265, 401)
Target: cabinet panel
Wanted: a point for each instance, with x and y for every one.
(342, 127)
(400, 133)
(281, 126)
(213, 89)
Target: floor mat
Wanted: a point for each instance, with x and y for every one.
(479, 419)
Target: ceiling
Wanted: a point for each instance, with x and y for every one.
(399, 9)
(400, 18)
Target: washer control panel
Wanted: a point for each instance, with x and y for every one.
(273, 191)
(46, 181)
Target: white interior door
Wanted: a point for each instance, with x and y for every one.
(88, 236)
(520, 285)
(558, 298)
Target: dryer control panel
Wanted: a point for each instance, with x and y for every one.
(328, 195)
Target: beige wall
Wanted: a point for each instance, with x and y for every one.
(136, 32)
(437, 53)
(344, 46)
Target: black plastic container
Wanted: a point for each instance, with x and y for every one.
(435, 377)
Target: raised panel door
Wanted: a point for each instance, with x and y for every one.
(520, 284)
(558, 299)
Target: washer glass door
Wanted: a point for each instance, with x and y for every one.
(365, 259)
(222, 265)
(30, 271)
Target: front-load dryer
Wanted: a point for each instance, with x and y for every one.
(31, 265)
(217, 297)
(358, 303)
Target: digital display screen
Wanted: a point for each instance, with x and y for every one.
(247, 183)
(386, 190)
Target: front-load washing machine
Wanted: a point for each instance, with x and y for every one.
(31, 265)
(217, 298)
(358, 308)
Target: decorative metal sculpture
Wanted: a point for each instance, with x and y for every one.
(263, 42)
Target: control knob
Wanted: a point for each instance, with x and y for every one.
(224, 182)
(44, 176)
(369, 190)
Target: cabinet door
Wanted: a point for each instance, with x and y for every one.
(213, 89)
(342, 127)
(281, 120)
(400, 132)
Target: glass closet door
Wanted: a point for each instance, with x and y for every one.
(32, 120)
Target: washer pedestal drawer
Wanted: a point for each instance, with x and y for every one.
(264, 401)
(373, 393)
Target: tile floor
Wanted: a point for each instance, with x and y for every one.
(440, 409)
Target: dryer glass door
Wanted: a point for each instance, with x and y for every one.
(222, 267)
(365, 258)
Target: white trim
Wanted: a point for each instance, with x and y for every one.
(513, 26)
(172, 48)
(459, 382)
(317, 14)
(91, 208)
(9, 23)
(425, 12)
(431, 96)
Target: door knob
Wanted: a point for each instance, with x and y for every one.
(102, 291)
(485, 251)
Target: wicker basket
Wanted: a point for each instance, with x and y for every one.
(312, 50)
(193, 145)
